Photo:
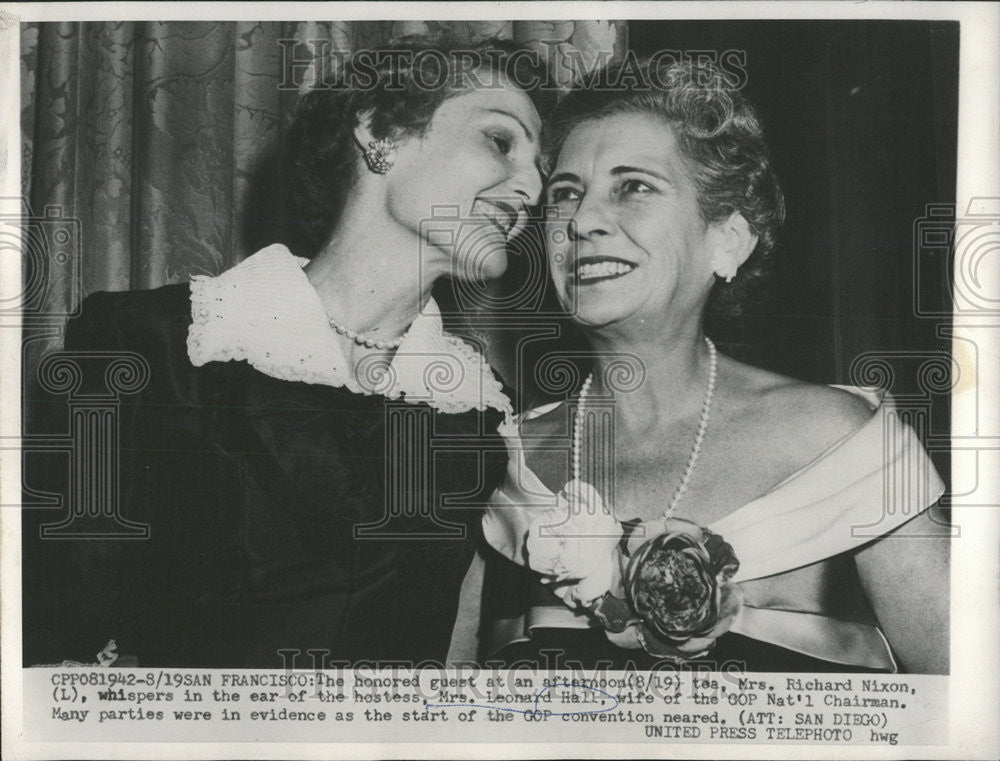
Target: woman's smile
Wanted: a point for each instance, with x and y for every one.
(502, 214)
(590, 270)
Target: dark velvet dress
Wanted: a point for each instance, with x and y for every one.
(254, 490)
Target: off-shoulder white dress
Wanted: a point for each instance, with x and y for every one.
(862, 487)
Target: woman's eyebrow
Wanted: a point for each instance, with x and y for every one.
(618, 170)
(513, 116)
(564, 177)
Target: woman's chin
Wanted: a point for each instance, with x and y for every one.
(495, 265)
(588, 312)
(486, 265)
(597, 319)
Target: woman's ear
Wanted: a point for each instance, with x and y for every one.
(362, 130)
(734, 244)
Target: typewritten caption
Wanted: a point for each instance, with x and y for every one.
(464, 705)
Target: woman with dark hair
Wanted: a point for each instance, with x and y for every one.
(710, 512)
(310, 432)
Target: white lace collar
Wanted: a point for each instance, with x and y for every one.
(265, 311)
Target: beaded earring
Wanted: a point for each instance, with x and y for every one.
(380, 155)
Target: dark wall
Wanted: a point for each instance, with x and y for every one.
(862, 121)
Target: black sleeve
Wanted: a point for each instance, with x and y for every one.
(90, 579)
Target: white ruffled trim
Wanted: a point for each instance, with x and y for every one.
(266, 312)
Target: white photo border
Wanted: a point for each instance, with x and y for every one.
(974, 684)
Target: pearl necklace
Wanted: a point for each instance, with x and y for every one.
(362, 340)
(699, 438)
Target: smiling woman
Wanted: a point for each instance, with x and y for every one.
(711, 163)
(456, 155)
(712, 511)
(283, 445)
(664, 257)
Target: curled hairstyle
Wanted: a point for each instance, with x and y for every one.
(720, 141)
(398, 87)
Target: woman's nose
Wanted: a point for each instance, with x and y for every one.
(589, 219)
(527, 184)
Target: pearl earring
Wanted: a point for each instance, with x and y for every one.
(725, 268)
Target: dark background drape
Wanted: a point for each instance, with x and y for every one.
(162, 140)
(862, 121)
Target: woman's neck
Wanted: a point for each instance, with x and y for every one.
(672, 369)
(374, 276)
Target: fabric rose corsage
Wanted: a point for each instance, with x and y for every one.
(574, 545)
(679, 585)
(665, 586)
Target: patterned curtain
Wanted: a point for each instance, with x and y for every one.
(163, 139)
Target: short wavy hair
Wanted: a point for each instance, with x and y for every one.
(720, 140)
(399, 86)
